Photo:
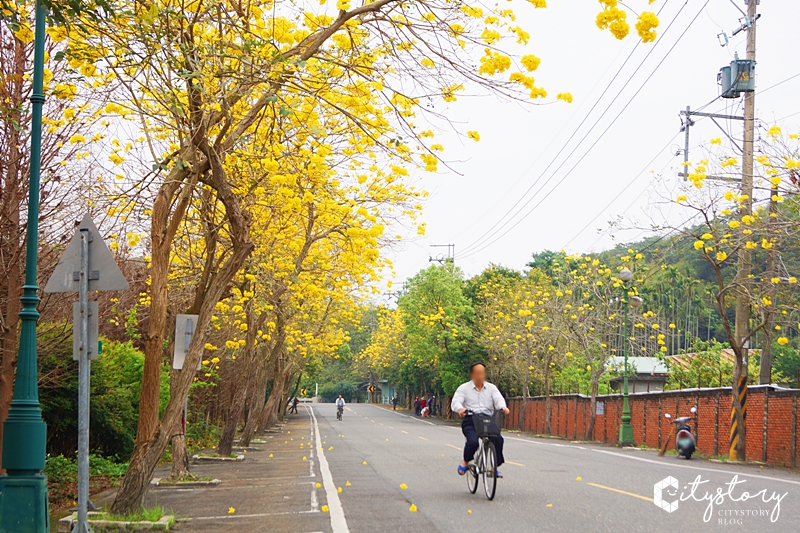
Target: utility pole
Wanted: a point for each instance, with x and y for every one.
(451, 254)
(742, 331)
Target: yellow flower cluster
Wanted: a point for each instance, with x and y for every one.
(646, 26)
(613, 19)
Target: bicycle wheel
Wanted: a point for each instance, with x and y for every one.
(472, 478)
(489, 469)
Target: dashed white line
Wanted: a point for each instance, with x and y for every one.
(338, 521)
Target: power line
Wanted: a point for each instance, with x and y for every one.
(474, 251)
(544, 151)
(469, 250)
(563, 147)
(622, 191)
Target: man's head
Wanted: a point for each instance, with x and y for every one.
(340, 396)
(477, 372)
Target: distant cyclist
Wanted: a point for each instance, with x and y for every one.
(339, 407)
(477, 396)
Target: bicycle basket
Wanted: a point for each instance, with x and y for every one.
(485, 425)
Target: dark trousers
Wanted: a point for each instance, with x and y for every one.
(471, 446)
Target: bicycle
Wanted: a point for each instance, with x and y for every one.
(339, 412)
(485, 462)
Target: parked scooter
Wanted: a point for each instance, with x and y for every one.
(684, 438)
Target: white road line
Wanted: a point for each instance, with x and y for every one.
(415, 419)
(338, 521)
(233, 516)
(705, 469)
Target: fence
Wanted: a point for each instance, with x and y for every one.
(771, 419)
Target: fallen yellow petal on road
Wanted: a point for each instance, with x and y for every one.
(578, 478)
(469, 511)
(231, 510)
(347, 484)
(270, 456)
(413, 508)
(339, 490)
(324, 508)
(319, 485)
(549, 504)
(403, 486)
(364, 463)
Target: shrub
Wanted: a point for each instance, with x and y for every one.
(330, 391)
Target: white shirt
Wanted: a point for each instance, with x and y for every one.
(487, 400)
(339, 402)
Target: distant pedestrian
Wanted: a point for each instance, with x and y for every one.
(294, 405)
(394, 403)
(432, 405)
(417, 408)
(423, 403)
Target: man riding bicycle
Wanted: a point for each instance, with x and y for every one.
(477, 396)
(339, 407)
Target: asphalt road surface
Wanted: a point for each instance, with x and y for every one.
(549, 485)
(363, 475)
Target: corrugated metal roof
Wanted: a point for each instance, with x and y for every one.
(642, 365)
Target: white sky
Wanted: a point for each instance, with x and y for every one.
(519, 142)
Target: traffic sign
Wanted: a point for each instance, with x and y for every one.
(104, 275)
(86, 265)
(185, 326)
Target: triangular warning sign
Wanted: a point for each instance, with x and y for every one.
(104, 274)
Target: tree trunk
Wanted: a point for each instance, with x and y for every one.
(12, 190)
(257, 399)
(180, 456)
(148, 450)
(163, 227)
(270, 414)
(239, 395)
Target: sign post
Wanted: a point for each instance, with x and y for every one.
(74, 274)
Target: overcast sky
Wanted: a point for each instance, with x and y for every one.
(518, 142)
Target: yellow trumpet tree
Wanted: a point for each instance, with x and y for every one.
(200, 85)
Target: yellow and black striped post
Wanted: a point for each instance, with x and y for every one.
(735, 430)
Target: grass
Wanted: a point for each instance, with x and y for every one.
(233, 455)
(185, 479)
(145, 514)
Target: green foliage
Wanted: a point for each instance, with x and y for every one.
(439, 321)
(786, 363)
(114, 402)
(145, 514)
(330, 391)
(61, 469)
(201, 434)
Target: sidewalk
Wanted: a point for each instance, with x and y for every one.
(273, 489)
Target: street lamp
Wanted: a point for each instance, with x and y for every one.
(625, 428)
(23, 490)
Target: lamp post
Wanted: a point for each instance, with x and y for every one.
(23, 490)
(625, 428)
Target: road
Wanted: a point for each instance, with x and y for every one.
(317, 474)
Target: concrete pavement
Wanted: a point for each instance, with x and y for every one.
(549, 485)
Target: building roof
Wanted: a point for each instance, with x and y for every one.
(647, 366)
(684, 360)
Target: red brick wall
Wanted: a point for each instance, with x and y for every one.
(771, 443)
